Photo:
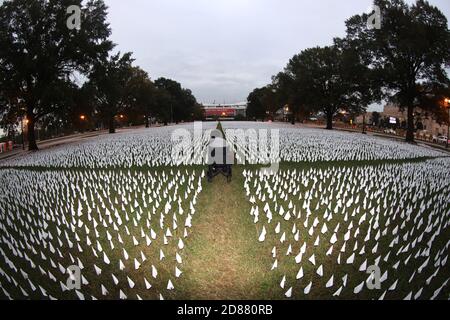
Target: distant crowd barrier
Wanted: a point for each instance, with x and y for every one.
(6, 146)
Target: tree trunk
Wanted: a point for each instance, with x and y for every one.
(112, 125)
(329, 121)
(410, 125)
(32, 145)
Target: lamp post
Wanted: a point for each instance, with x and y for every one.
(286, 109)
(23, 136)
(82, 118)
(24, 120)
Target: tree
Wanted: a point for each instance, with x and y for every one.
(288, 94)
(432, 101)
(39, 55)
(330, 79)
(110, 80)
(164, 103)
(190, 105)
(409, 51)
(181, 104)
(142, 95)
(257, 103)
(375, 119)
(82, 114)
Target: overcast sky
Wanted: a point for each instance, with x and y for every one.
(223, 49)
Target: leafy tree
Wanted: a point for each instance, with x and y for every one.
(82, 114)
(257, 103)
(142, 95)
(431, 100)
(39, 54)
(110, 80)
(329, 79)
(288, 94)
(375, 119)
(181, 104)
(191, 107)
(409, 52)
(199, 114)
(164, 103)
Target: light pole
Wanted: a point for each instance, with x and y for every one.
(23, 136)
(82, 118)
(286, 109)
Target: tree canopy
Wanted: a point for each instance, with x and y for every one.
(260, 102)
(402, 60)
(111, 82)
(408, 53)
(326, 79)
(182, 103)
(57, 76)
(39, 54)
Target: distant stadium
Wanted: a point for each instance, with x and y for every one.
(225, 111)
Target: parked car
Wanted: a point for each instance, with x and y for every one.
(390, 131)
(442, 140)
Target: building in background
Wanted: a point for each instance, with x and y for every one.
(426, 124)
(225, 112)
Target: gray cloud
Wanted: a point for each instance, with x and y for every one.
(222, 49)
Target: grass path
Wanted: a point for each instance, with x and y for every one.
(223, 259)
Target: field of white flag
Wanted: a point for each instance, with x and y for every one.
(325, 227)
(124, 230)
(120, 210)
(153, 148)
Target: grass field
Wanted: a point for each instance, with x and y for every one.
(204, 239)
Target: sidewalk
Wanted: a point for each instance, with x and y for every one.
(42, 145)
(379, 135)
(46, 144)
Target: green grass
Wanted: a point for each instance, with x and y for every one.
(222, 258)
(59, 200)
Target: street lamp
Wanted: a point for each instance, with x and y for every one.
(23, 135)
(82, 118)
(286, 111)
